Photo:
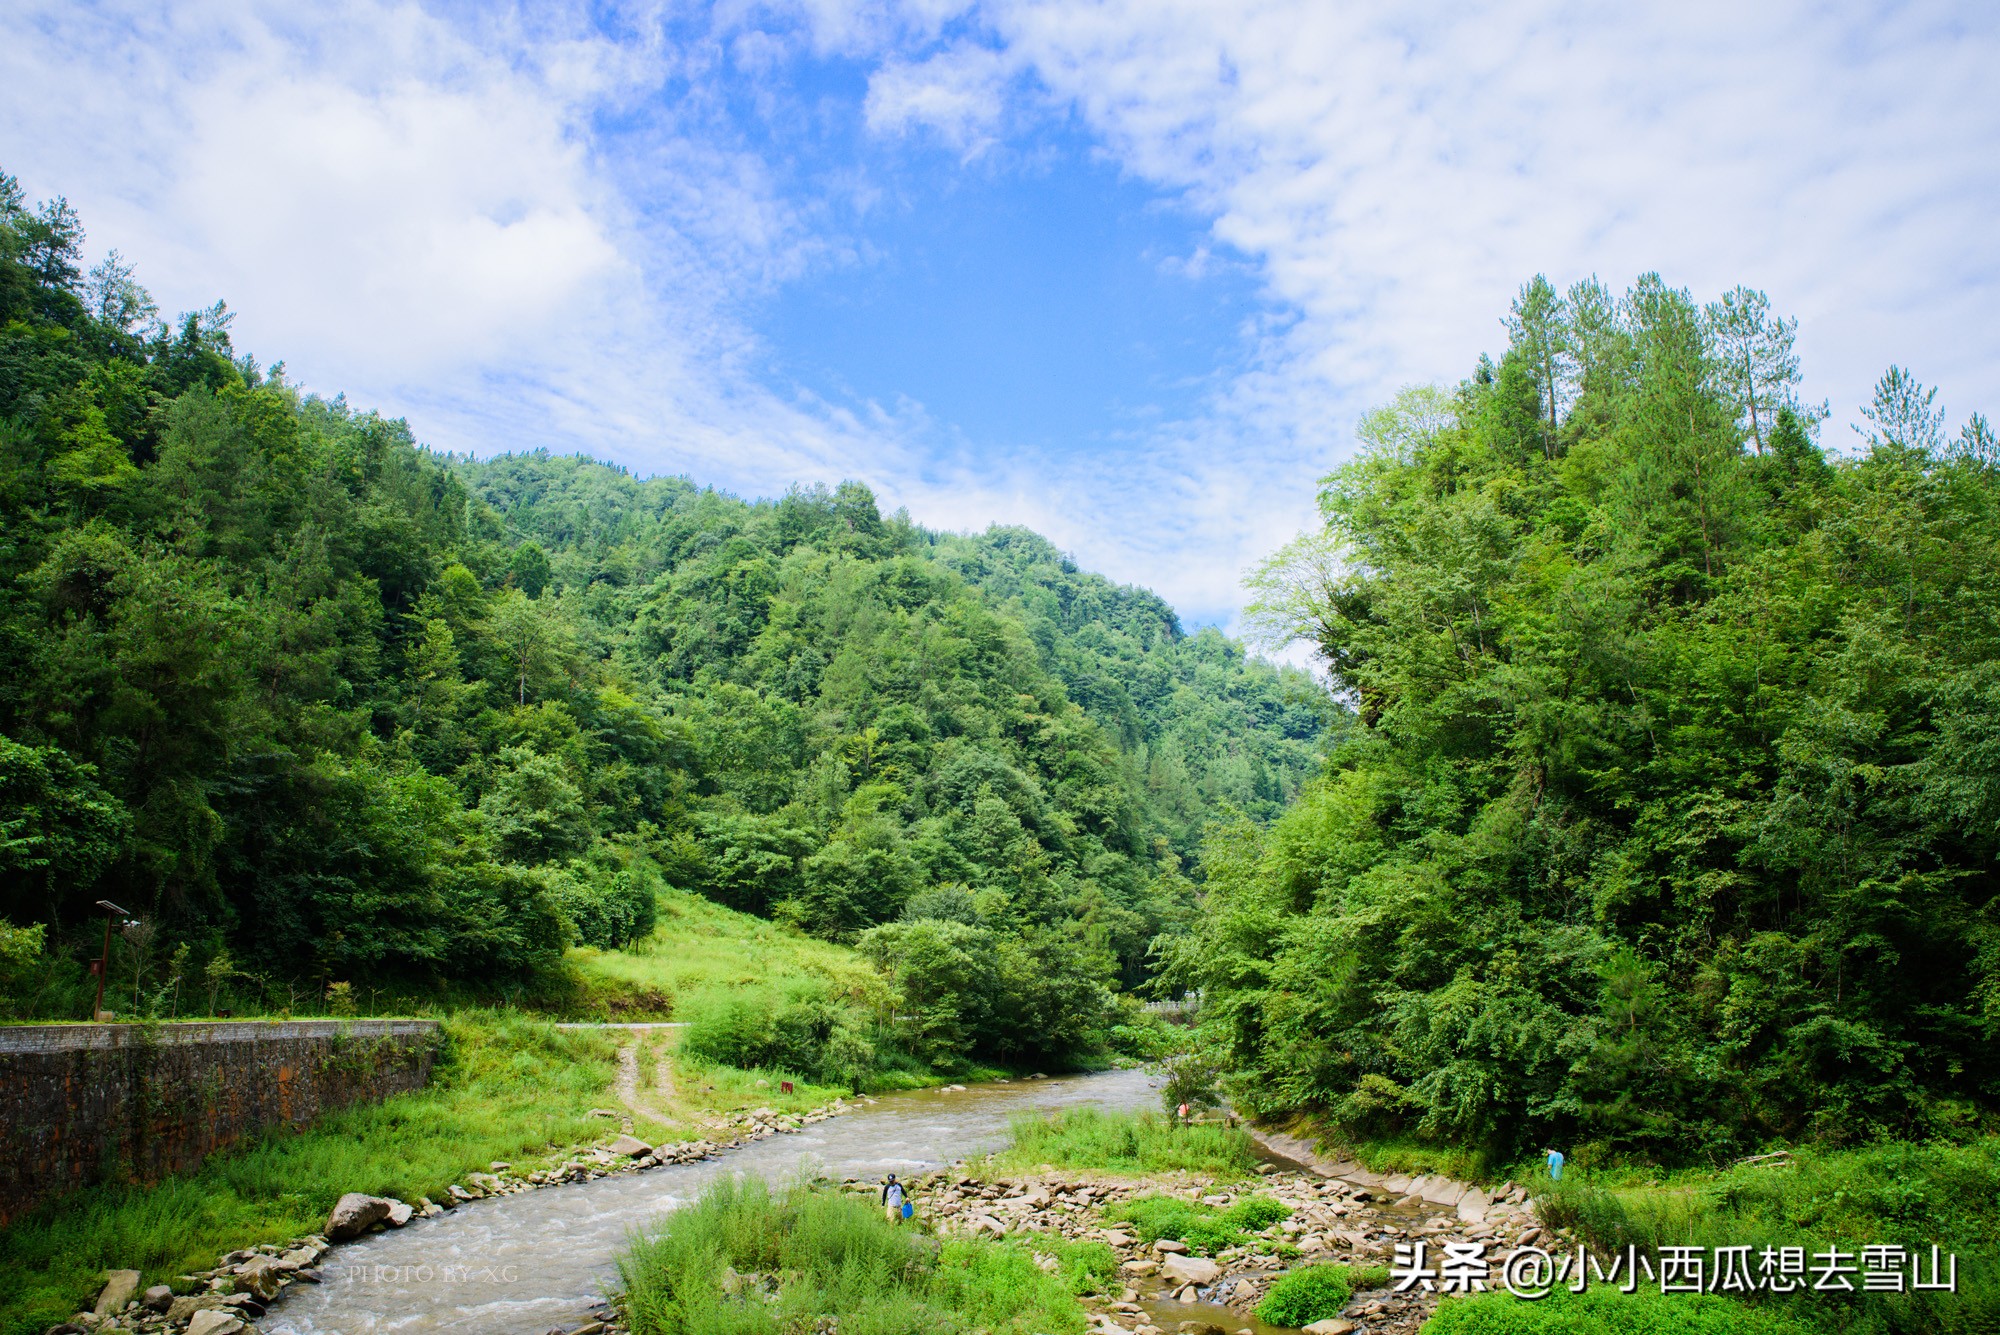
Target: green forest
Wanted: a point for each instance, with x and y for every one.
(320, 706)
(1650, 800)
(1668, 825)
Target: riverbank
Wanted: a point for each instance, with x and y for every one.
(507, 1089)
(1900, 1196)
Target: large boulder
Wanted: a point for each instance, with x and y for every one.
(630, 1146)
(1190, 1270)
(1473, 1205)
(1443, 1191)
(120, 1287)
(353, 1215)
(259, 1277)
(158, 1298)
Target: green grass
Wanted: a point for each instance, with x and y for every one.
(742, 1260)
(1914, 1195)
(505, 1087)
(1204, 1228)
(701, 953)
(1128, 1143)
(1607, 1312)
(1414, 1158)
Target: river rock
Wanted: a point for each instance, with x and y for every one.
(400, 1213)
(212, 1322)
(353, 1215)
(1443, 1191)
(184, 1309)
(1333, 1325)
(630, 1146)
(1170, 1247)
(1472, 1206)
(258, 1277)
(158, 1298)
(119, 1287)
(1140, 1267)
(1190, 1270)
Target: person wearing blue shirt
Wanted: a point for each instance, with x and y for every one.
(1556, 1165)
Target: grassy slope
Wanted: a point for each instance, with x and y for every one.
(1898, 1193)
(701, 952)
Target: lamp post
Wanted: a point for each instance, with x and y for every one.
(111, 911)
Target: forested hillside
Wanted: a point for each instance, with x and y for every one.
(319, 705)
(1670, 823)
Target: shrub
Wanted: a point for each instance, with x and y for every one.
(20, 962)
(1256, 1212)
(802, 1031)
(1204, 1229)
(1304, 1296)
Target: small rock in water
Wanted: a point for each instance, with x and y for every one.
(1333, 1325)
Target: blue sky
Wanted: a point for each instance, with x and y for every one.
(1123, 270)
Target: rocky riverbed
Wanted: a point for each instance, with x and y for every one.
(1169, 1291)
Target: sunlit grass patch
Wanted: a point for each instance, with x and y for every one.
(1143, 1142)
(701, 952)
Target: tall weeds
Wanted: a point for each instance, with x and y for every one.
(744, 1260)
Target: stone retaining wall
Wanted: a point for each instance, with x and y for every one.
(95, 1102)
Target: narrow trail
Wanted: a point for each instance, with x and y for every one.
(628, 1084)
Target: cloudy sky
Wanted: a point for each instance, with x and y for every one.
(1122, 271)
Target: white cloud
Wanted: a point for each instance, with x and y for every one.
(959, 93)
(1400, 170)
(521, 231)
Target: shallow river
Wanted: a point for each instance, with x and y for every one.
(521, 1264)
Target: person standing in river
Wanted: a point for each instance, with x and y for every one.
(892, 1198)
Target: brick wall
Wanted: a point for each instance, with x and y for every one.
(80, 1103)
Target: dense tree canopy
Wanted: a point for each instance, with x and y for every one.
(289, 685)
(1671, 821)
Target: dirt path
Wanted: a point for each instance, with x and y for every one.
(628, 1084)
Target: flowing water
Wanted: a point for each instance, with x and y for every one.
(522, 1264)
